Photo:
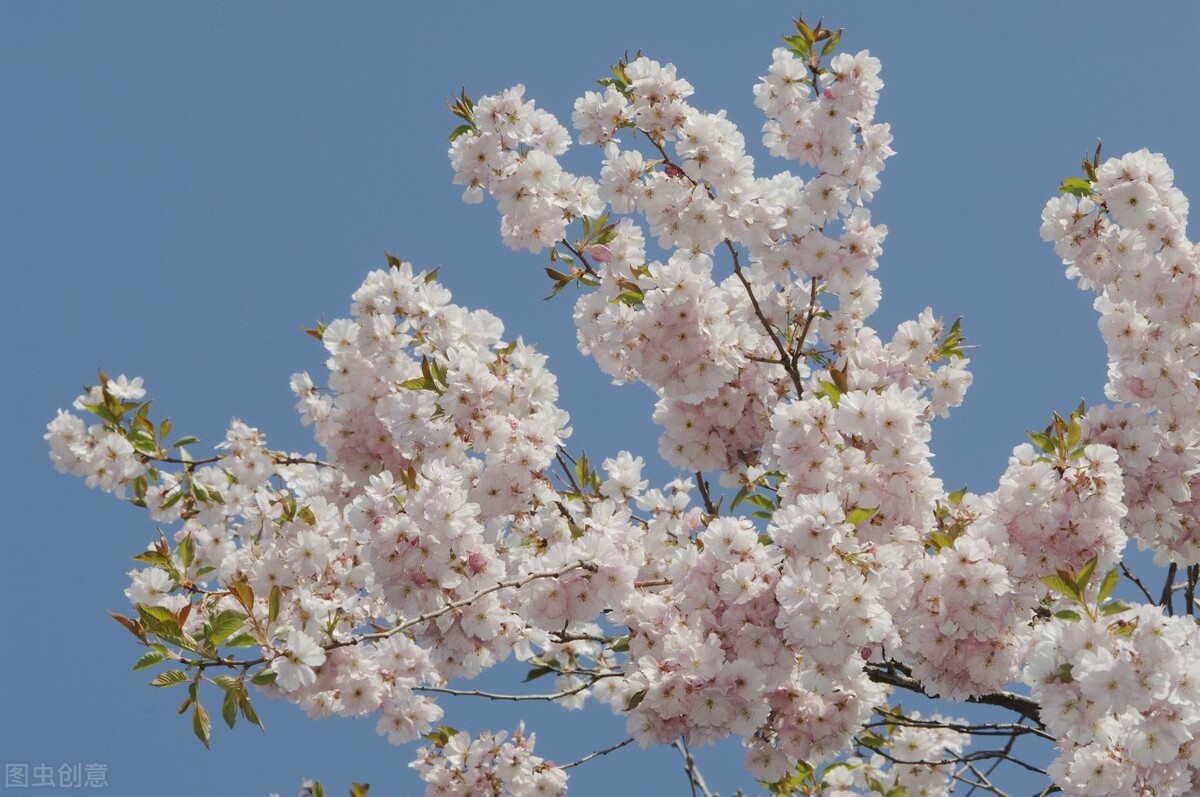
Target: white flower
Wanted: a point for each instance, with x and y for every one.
(294, 668)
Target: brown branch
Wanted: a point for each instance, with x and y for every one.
(709, 507)
(597, 754)
(1129, 575)
(785, 359)
(1025, 706)
(441, 690)
(1165, 600)
(695, 779)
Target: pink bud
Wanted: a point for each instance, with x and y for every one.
(865, 653)
(476, 561)
(1138, 387)
(600, 253)
(672, 170)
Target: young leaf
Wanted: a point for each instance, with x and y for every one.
(223, 625)
(248, 710)
(202, 725)
(273, 604)
(1063, 587)
(263, 677)
(149, 660)
(229, 707)
(1114, 607)
(1076, 186)
(859, 514)
(1108, 585)
(1085, 575)
(537, 672)
(169, 678)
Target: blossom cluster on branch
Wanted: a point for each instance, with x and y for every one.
(447, 526)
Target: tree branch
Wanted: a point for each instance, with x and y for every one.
(597, 754)
(1025, 706)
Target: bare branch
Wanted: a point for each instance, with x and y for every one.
(597, 754)
(694, 777)
(1025, 706)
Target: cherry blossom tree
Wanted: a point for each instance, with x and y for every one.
(806, 571)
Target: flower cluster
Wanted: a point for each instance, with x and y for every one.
(1121, 693)
(490, 764)
(1123, 234)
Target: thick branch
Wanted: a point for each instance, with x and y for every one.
(1025, 706)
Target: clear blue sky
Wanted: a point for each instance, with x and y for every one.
(183, 187)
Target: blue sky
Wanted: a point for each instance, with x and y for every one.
(182, 188)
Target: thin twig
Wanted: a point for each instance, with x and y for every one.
(1129, 575)
(784, 359)
(694, 777)
(597, 754)
(498, 696)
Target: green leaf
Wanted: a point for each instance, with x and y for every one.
(1043, 441)
(956, 497)
(760, 500)
(1068, 614)
(1085, 575)
(262, 678)
(157, 614)
(1108, 584)
(620, 644)
(635, 700)
(223, 625)
(461, 130)
(226, 682)
(359, 789)
(1064, 674)
(273, 604)
(537, 672)
(152, 558)
(741, 496)
(830, 390)
(1063, 586)
(202, 725)
(229, 707)
(241, 641)
(187, 550)
(1076, 186)
(184, 441)
(873, 741)
(832, 43)
(581, 469)
(1074, 432)
(859, 514)
(1114, 607)
(169, 678)
(149, 660)
(941, 540)
(248, 710)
